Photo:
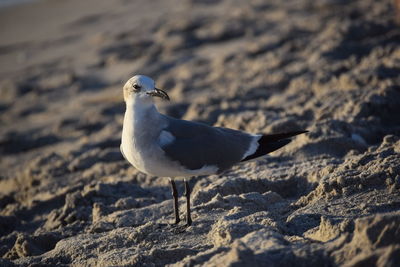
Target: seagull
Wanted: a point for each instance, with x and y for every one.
(159, 145)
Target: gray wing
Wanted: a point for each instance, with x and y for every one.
(196, 145)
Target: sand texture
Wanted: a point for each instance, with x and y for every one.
(329, 198)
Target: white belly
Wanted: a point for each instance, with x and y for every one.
(148, 160)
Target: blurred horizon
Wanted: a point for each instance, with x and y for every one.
(9, 3)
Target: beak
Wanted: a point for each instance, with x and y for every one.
(159, 93)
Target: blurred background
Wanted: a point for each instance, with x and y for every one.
(329, 66)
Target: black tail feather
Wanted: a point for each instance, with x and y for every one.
(271, 142)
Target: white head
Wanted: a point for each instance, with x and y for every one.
(143, 88)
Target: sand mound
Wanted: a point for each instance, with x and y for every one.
(331, 197)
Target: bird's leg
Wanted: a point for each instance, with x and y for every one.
(175, 195)
(187, 195)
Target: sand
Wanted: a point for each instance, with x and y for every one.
(329, 198)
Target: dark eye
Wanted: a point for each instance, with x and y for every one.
(136, 87)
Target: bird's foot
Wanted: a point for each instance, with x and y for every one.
(176, 222)
(178, 229)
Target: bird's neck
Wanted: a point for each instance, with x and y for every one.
(140, 106)
(140, 113)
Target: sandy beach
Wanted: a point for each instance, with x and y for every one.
(329, 198)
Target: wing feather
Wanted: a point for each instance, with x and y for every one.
(197, 145)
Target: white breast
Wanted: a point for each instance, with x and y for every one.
(142, 141)
(128, 144)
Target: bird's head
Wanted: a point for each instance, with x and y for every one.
(143, 88)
